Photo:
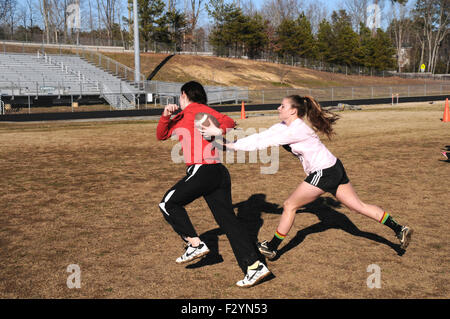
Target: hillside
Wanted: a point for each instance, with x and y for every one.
(248, 73)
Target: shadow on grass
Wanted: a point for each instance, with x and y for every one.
(330, 218)
(249, 213)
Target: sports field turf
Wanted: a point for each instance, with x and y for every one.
(87, 193)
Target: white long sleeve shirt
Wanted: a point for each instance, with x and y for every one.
(303, 141)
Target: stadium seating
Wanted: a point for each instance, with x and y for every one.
(37, 74)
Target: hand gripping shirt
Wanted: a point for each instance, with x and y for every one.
(301, 139)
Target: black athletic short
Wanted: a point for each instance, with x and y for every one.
(329, 179)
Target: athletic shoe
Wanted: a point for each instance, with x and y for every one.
(254, 276)
(192, 253)
(264, 249)
(445, 154)
(405, 236)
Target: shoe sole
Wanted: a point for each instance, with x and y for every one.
(407, 238)
(203, 254)
(268, 255)
(256, 281)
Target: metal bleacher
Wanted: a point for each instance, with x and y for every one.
(62, 75)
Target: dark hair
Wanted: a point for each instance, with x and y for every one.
(320, 119)
(195, 92)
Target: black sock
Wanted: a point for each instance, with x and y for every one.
(391, 223)
(276, 241)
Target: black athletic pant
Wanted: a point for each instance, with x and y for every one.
(213, 182)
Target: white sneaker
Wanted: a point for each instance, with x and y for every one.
(253, 276)
(192, 253)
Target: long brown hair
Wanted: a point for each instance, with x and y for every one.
(321, 120)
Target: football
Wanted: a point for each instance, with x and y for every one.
(206, 120)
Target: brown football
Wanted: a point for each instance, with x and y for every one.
(205, 119)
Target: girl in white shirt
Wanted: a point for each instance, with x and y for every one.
(325, 172)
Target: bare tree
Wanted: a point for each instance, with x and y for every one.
(107, 16)
(400, 25)
(91, 20)
(357, 10)
(5, 6)
(44, 6)
(276, 11)
(192, 14)
(11, 16)
(316, 11)
(434, 15)
(29, 5)
(248, 7)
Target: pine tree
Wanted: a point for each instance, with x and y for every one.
(384, 51)
(254, 36)
(346, 43)
(151, 20)
(287, 38)
(325, 41)
(307, 43)
(295, 38)
(366, 44)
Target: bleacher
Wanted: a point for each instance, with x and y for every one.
(61, 75)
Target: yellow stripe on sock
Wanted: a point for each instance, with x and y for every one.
(279, 236)
(385, 217)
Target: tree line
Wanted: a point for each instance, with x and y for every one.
(283, 30)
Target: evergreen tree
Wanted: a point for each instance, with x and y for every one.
(325, 40)
(345, 49)
(287, 41)
(254, 36)
(384, 51)
(295, 38)
(376, 52)
(307, 43)
(366, 43)
(151, 20)
(176, 22)
(236, 33)
(222, 15)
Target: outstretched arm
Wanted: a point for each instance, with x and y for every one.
(276, 135)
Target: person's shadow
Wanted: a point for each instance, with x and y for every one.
(324, 209)
(249, 213)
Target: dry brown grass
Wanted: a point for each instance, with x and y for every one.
(87, 193)
(249, 73)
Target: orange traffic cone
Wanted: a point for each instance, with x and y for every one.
(446, 117)
(243, 111)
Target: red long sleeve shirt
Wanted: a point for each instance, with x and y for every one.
(196, 150)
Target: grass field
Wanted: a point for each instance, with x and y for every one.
(87, 193)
